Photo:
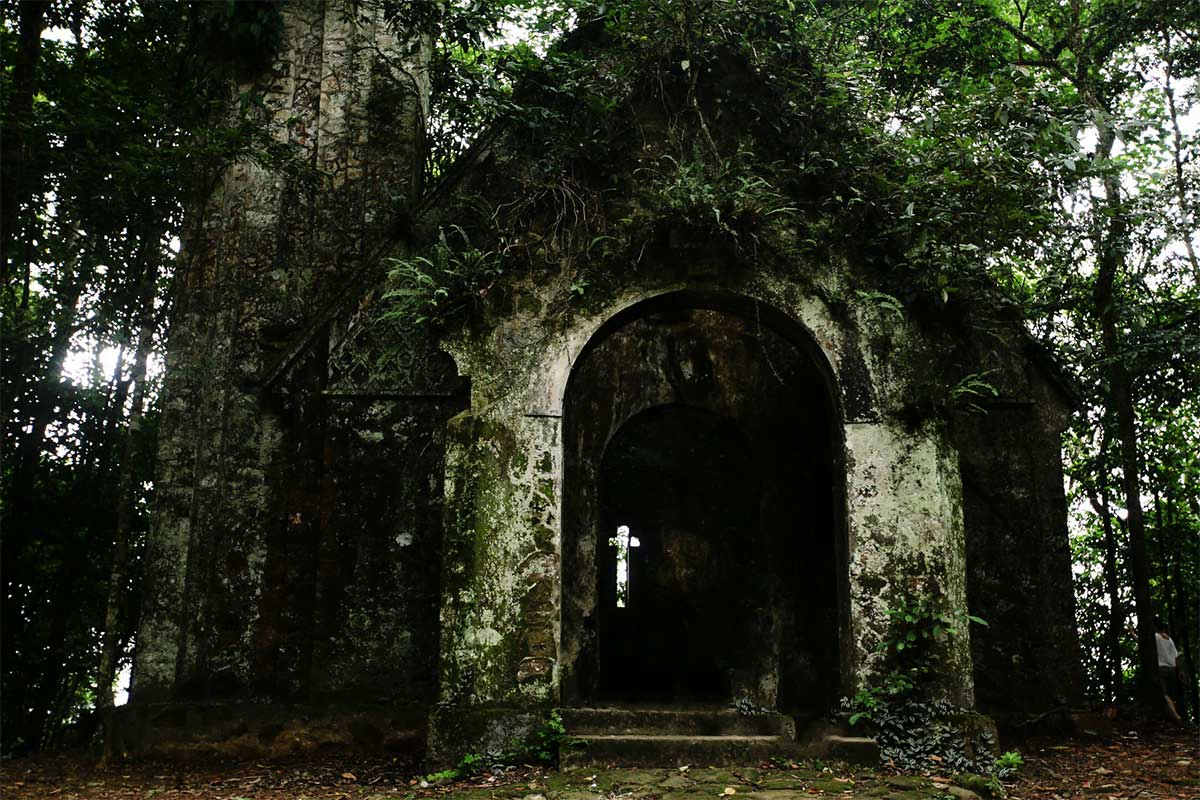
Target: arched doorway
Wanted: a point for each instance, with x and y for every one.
(703, 554)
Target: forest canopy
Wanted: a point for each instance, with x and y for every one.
(1036, 155)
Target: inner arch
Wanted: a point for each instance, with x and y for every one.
(679, 491)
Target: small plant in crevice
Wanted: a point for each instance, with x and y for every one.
(546, 744)
(745, 706)
(971, 390)
(886, 302)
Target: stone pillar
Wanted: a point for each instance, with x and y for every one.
(500, 581)
(345, 100)
(904, 506)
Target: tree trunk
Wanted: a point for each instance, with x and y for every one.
(110, 649)
(14, 143)
(1187, 651)
(1177, 597)
(1191, 643)
(26, 460)
(1162, 524)
(1116, 621)
(1110, 258)
(1186, 222)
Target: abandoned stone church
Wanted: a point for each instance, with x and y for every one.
(693, 476)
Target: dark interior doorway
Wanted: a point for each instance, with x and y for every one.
(707, 433)
(679, 498)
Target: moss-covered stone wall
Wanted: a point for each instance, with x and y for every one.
(901, 524)
(254, 588)
(1018, 558)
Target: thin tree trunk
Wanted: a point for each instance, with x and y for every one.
(26, 459)
(1177, 596)
(110, 650)
(42, 724)
(104, 420)
(1116, 621)
(1191, 642)
(29, 449)
(1111, 246)
(1187, 639)
(1162, 524)
(1185, 216)
(14, 141)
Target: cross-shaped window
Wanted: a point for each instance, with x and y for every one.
(623, 541)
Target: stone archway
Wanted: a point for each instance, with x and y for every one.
(861, 502)
(712, 436)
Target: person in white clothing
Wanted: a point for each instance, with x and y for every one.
(1168, 669)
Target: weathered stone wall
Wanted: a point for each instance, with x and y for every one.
(1019, 562)
(905, 508)
(265, 560)
(903, 524)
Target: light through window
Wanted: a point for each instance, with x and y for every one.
(623, 541)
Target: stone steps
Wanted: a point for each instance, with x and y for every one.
(639, 737)
(645, 750)
(659, 721)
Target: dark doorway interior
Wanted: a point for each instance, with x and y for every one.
(679, 498)
(709, 434)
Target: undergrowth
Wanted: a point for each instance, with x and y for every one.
(915, 727)
(544, 745)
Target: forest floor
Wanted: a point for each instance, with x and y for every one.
(1153, 764)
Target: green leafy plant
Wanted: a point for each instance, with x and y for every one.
(912, 727)
(443, 775)
(443, 285)
(1008, 763)
(884, 300)
(725, 198)
(917, 625)
(544, 745)
(971, 389)
(915, 734)
(470, 764)
(548, 740)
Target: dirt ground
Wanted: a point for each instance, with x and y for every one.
(1146, 765)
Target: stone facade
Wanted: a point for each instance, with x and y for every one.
(374, 526)
(263, 561)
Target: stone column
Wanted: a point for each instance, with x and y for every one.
(500, 580)
(904, 507)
